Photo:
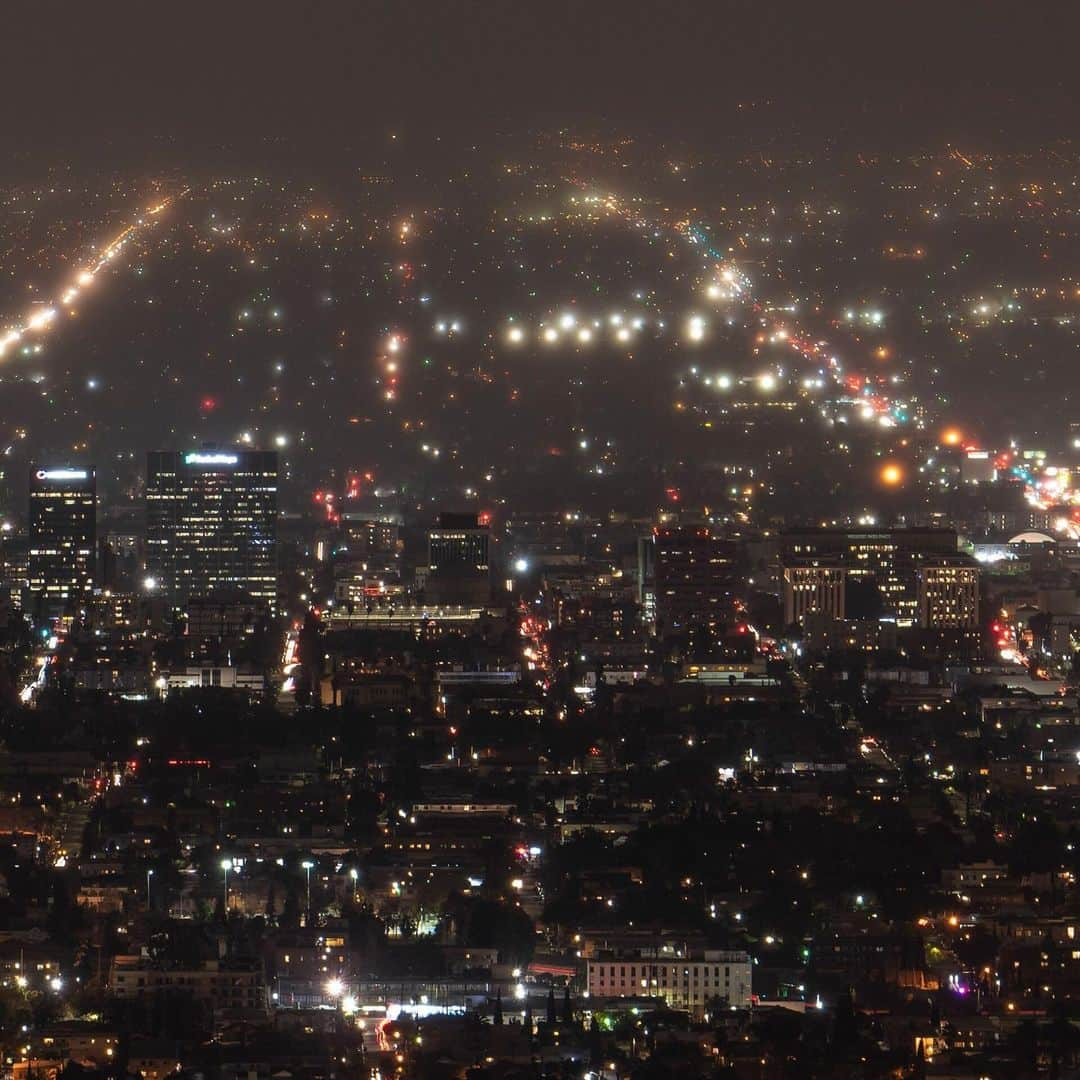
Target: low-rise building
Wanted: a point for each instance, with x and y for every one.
(687, 982)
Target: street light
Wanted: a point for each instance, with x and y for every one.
(226, 865)
(307, 864)
(149, 875)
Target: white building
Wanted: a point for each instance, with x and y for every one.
(810, 589)
(228, 678)
(682, 982)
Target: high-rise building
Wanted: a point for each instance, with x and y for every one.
(62, 538)
(646, 577)
(458, 570)
(695, 578)
(949, 594)
(813, 588)
(14, 573)
(886, 560)
(458, 543)
(978, 467)
(211, 522)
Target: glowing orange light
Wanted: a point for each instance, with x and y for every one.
(951, 437)
(892, 475)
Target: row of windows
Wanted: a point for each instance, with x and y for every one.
(654, 969)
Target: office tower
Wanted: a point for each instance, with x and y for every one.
(813, 588)
(211, 522)
(978, 467)
(63, 524)
(695, 579)
(458, 570)
(14, 573)
(458, 542)
(646, 577)
(364, 536)
(949, 594)
(882, 561)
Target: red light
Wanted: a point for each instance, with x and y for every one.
(208, 404)
(484, 517)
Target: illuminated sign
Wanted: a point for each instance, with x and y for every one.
(210, 459)
(62, 474)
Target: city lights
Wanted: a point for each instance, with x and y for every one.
(442, 574)
(892, 474)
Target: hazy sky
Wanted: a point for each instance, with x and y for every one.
(330, 68)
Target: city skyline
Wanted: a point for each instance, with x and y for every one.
(539, 540)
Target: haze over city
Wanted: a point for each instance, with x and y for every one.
(539, 538)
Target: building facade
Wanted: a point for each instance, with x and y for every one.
(459, 543)
(714, 976)
(813, 589)
(62, 538)
(211, 523)
(885, 560)
(231, 989)
(949, 595)
(695, 583)
(458, 569)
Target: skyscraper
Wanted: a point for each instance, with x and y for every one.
(458, 570)
(458, 543)
(211, 522)
(695, 583)
(63, 525)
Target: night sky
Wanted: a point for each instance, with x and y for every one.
(331, 71)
